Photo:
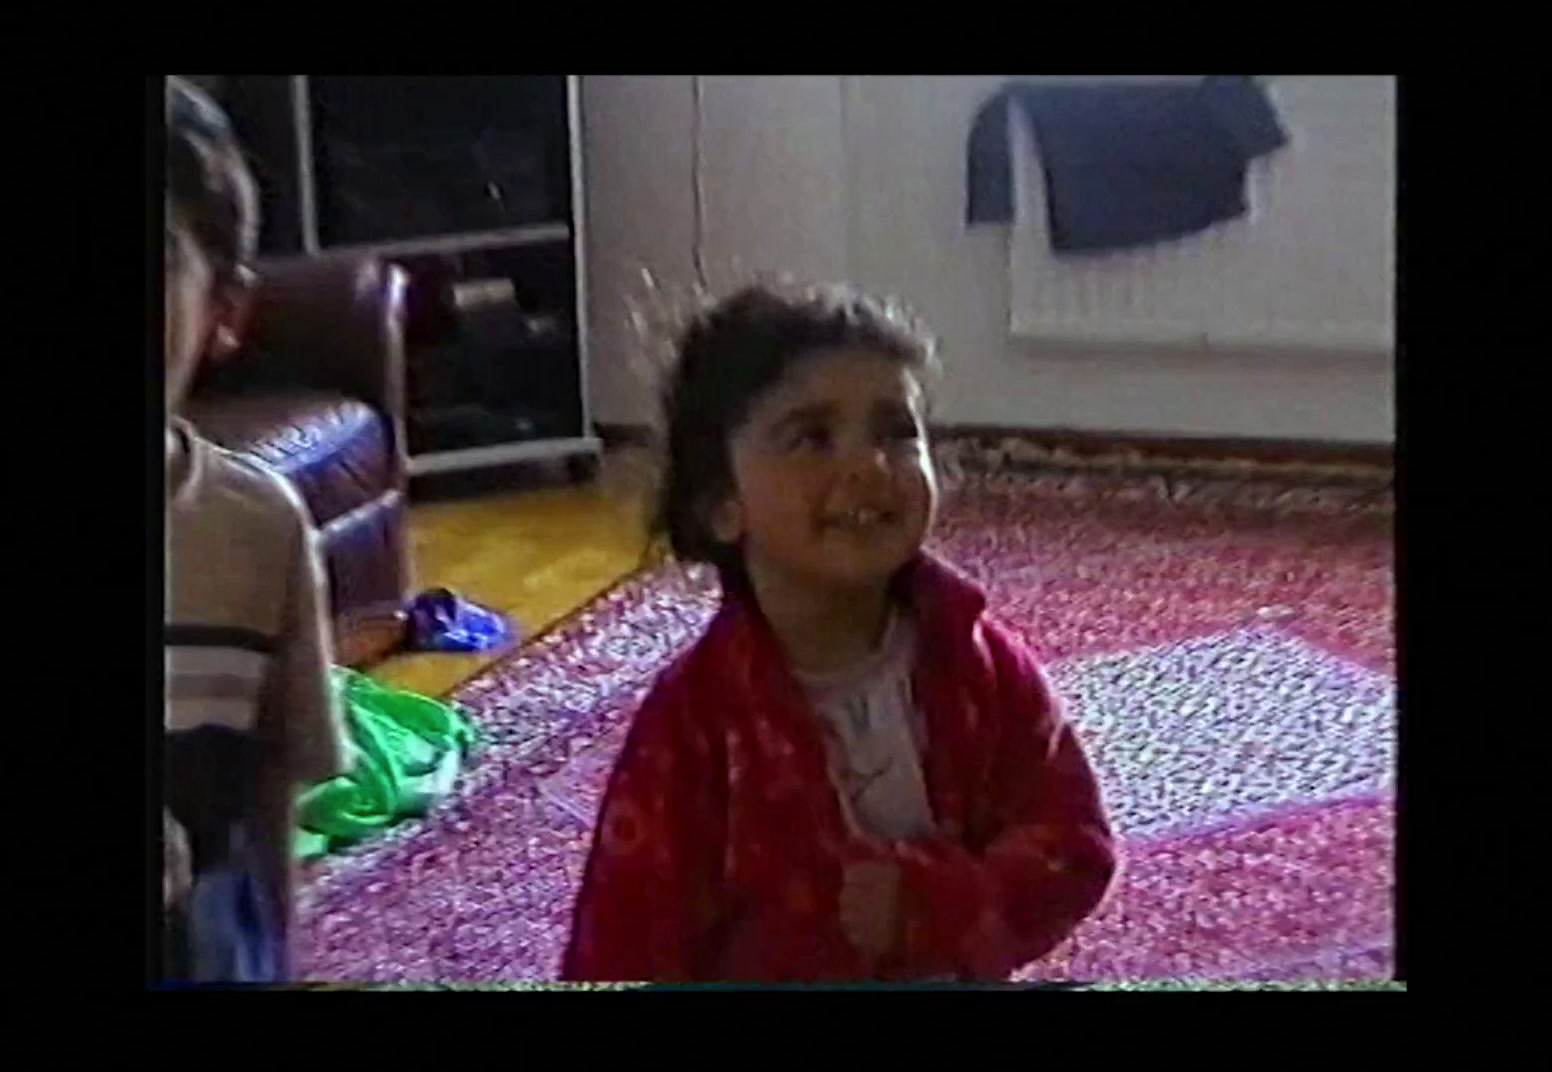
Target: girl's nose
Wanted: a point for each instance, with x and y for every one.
(865, 460)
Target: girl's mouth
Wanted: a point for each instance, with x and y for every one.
(861, 520)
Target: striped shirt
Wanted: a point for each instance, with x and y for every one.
(249, 711)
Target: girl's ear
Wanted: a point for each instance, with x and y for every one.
(726, 520)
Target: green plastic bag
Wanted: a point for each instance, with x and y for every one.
(405, 754)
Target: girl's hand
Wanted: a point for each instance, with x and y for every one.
(870, 906)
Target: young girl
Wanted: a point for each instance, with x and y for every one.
(855, 773)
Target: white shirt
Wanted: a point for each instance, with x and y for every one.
(875, 736)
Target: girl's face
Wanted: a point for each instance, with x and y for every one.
(833, 478)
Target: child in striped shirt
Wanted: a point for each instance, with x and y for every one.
(249, 712)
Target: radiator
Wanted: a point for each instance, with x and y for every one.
(1311, 266)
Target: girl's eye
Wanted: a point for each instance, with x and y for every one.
(896, 428)
(814, 437)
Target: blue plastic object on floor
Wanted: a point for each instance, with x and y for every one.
(439, 620)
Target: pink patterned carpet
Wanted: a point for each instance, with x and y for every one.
(1224, 646)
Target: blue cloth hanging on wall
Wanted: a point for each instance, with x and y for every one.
(1126, 165)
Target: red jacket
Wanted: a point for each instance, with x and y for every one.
(722, 843)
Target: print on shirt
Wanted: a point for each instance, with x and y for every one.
(877, 756)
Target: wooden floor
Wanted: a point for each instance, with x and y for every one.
(536, 554)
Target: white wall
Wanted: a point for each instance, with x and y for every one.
(639, 205)
(862, 178)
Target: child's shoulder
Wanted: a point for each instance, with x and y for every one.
(263, 489)
(709, 664)
(244, 492)
(688, 672)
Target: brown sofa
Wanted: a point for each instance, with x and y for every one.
(317, 393)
